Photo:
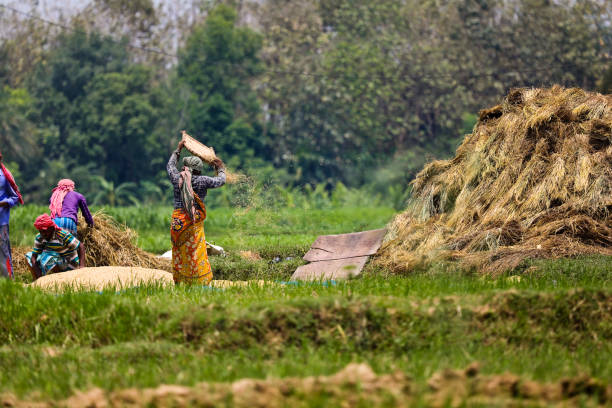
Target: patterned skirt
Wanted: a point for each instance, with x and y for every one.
(6, 264)
(189, 258)
(66, 223)
(48, 260)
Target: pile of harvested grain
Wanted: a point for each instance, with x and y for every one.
(105, 277)
(533, 180)
(113, 244)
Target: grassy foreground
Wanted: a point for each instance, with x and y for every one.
(540, 328)
(553, 322)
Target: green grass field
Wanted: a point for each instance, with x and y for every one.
(276, 230)
(555, 322)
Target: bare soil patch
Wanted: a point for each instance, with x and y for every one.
(355, 384)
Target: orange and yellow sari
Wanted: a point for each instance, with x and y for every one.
(189, 258)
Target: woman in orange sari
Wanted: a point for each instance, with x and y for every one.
(189, 259)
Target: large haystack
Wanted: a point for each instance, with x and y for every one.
(533, 180)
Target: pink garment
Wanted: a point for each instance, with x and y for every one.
(11, 180)
(64, 186)
(44, 222)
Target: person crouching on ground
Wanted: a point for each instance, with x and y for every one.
(189, 258)
(55, 250)
(64, 205)
(9, 196)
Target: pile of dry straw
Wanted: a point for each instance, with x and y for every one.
(113, 244)
(108, 244)
(533, 180)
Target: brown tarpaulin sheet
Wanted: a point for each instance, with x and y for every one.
(339, 256)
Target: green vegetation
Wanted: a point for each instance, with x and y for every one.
(279, 236)
(329, 108)
(273, 231)
(222, 103)
(551, 323)
(420, 324)
(291, 93)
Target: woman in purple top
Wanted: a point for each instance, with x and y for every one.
(64, 205)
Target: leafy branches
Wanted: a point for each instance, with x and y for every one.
(110, 194)
(297, 92)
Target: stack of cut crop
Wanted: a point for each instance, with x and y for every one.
(533, 180)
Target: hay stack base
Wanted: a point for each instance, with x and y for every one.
(533, 180)
(105, 277)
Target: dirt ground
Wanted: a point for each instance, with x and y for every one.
(355, 384)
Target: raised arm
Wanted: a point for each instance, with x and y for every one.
(206, 182)
(173, 173)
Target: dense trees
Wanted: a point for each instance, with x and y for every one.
(305, 91)
(385, 80)
(217, 64)
(97, 110)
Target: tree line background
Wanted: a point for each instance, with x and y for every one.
(294, 93)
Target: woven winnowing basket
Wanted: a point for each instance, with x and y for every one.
(208, 155)
(203, 152)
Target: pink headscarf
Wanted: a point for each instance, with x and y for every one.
(44, 222)
(64, 186)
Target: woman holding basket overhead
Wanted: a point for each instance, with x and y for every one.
(189, 259)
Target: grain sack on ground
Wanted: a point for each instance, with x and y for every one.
(105, 277)
(533, 180)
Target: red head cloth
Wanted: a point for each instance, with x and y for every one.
(11, 180)
(44, 221)
(64, 186)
